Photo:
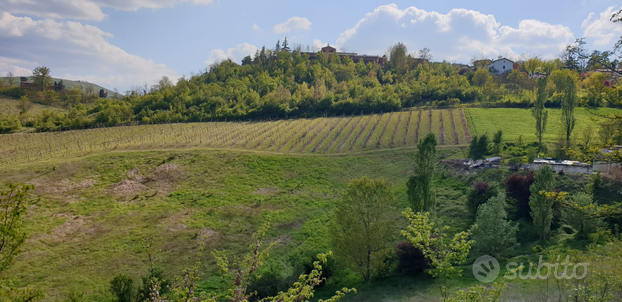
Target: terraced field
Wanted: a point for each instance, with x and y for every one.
(317, 135)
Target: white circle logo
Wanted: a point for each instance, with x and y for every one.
(486, 269)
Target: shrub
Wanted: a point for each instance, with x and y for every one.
(410, 259)
(9, 123)
(122, 287)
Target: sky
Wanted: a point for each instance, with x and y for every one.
(125, 43)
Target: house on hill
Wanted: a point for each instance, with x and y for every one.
(502, 65)
(328, 50)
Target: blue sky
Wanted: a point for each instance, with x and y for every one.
(123, 43)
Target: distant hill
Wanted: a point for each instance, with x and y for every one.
(85, 86)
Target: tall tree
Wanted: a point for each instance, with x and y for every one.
(420, 193)
(497, 140)
(42, 78)
(494, 233)
(363, 224)
(11, 77)
(541, 206)
(539, 113)
(575, 56)
(569, 102)
(285, 45)
(398, 56)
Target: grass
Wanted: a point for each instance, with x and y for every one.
(9, 106)
(515, 122)
(88, 223)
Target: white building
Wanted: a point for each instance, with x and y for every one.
(500, 66)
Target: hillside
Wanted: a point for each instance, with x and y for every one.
(9, 106)
(340, 135)
(322, 135)
(85, 86)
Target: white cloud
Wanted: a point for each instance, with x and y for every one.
(12, 65)
(602, 29)
(318, 44)
(133, 5)
(293, 24)
(458, 35)
(84, 9)
(83, 49)
(256, 27)
(236, 53)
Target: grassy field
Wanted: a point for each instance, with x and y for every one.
(326, 135)
(93, 212)
(9, 106)
(515, 122)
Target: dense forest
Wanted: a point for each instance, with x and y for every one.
(284, 83)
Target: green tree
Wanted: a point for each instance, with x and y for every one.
(532, 65)
(569, 102)
(494, 233)
(122, 287)
(539, 113)
(14, 204)
(541, 206)
(473, 151)
(420, 193)
(497, 140)
(398, 56)
(442, 252)
(42, 78)
(478, 147)
(581, 214)
(480, 77)
(363, 224)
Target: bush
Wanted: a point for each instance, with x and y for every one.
(410, 259)
(480, 194)
(9, 123)
(122, 287)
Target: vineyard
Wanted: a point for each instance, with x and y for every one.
(316, 135)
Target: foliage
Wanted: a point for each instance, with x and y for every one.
(122, 287)
(9, 123)
(478, 294)
(411, 260)
(13, 207)
(479, 194)
(539, 113)
(494, 233)
(566, 87)
(420, 193)
(497, 139)
(42, 79)
(478, 147)
(541, 204)
(582, 215)
(442, 252)
(363, 224)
